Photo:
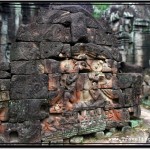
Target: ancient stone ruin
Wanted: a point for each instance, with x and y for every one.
(131, 23)
(65, 78)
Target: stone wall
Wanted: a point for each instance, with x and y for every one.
(12, 14)
(65, 78)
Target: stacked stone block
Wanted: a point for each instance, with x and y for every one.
(67, 79)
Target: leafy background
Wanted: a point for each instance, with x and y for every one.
(99, 8)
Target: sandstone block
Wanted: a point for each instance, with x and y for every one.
(24, 51)
(27, 67)
(4, 84)
(30, 86)
(58, 33)
(4, 75)
(53, 16)
(27, 132)
(52, 66)
(28, 110)
(5, 66)
(31, 32)
(78, 27)
(50, 49)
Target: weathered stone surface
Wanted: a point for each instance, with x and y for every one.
(36, 86)
(83, 51)
(117, 115)
(64, 18)
(4, 84)
(50, 49)
(91, 23)
(91, 32)
(126, 129)
(4, 111)
(51, 132)
(4, 66)
(117, 56)
(113, 130)
(58, 33)
(18, 87)
(126, 80)
(52, 66)
(83, 82)
(127, 68)
(95, 65)
(31, 32)
(71, 8)
(96, 36)
(4, 96)
(100, 37)
(99, 125)
(108, 81)
(27, 67)
(53, 16)
(77, 139)
(108, 134)
(4, 75)
(58, 143)
(89, 105)
(53, 82)
(18, 111)
(99, 135)
(24, 51)
(85, 95)
(69, 66)
(66, 51)
(68, 81)
(27, 132)
(78, 27)
(128, 97)
(115, 97)
(30, 86)
(134, 111)
(28, 110)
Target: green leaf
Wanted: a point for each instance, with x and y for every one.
(99, 8)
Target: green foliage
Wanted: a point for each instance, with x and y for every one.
(99, 8)
(146, 103)
(136, 123)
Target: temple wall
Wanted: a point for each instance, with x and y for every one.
(12, 14)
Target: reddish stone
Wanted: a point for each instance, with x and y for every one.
(4, 114)
(53, 82)
(69, 66)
